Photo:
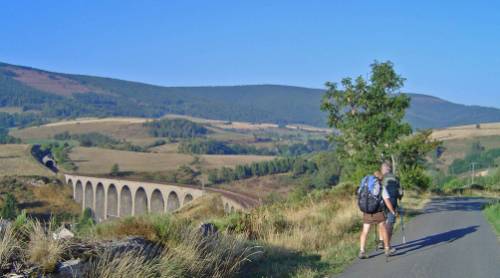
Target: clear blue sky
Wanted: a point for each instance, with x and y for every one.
(449, 49)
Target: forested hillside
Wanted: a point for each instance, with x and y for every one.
(65, 95)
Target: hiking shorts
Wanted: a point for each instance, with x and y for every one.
(373, 218)
(391, 218)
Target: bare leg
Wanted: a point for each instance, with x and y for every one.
(362, 237)
(389, 227)
(382, 230)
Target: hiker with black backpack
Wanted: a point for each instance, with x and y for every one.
(371, 200)
(395, 191)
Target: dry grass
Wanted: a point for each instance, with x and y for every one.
(167, 148)
(54, 199)
(194, 256)
(17, 160)
(202, 209)
(9, 246)
(39, 199)
(43, 250)
(310, 227)
(186, 252)
(120, 128)
(100, 161)
(225, 124)
(28, 244)
(467, 131)
(214, 256)
(11, 109)
(309, 238)
(128, 264)
(262, 187)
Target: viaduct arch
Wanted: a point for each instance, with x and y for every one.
(113, 198)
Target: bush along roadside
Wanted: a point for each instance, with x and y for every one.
(492, 212)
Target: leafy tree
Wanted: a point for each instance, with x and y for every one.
(9, 209)
(241, 172)
(368, 115)
(186, 175)
(176, 128)
(411, 151)
(115, 170)
(5, 138)
(213, 177)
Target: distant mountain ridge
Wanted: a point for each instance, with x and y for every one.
(59, 95)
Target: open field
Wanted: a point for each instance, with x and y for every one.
(17, 160)
(458, 140)
(467, 131)
(11, 109)
(119, 128)
(457, 148)
(100, 161)
(131, 128)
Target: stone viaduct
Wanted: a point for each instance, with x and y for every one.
(113, 198)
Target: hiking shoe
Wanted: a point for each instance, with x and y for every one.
(390, 252)
(380, 245)
(362, 255)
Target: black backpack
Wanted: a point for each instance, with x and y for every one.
(367, 201)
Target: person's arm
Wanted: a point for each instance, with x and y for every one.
(387, 201)
(389, 206)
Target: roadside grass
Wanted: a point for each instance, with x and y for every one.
(470, 192)
(306, 235)
(179, 250)
(492, 213)
(315, 236)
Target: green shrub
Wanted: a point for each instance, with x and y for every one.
(415, 178)
(492, 212)
(9, 209)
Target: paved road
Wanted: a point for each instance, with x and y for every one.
(450, 239)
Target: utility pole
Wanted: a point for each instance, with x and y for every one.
(473, 165)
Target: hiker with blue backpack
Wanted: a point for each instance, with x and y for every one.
(372, 199)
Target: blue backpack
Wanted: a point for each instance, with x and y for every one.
(367, 201)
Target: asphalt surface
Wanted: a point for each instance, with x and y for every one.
(451, 238)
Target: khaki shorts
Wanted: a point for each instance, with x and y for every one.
(373, 218)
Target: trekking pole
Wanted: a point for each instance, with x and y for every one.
(402, 223)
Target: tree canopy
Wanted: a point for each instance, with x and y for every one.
(368, 117)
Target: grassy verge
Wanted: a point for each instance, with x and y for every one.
(492, 213)
(313, 236)
(308, 235)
